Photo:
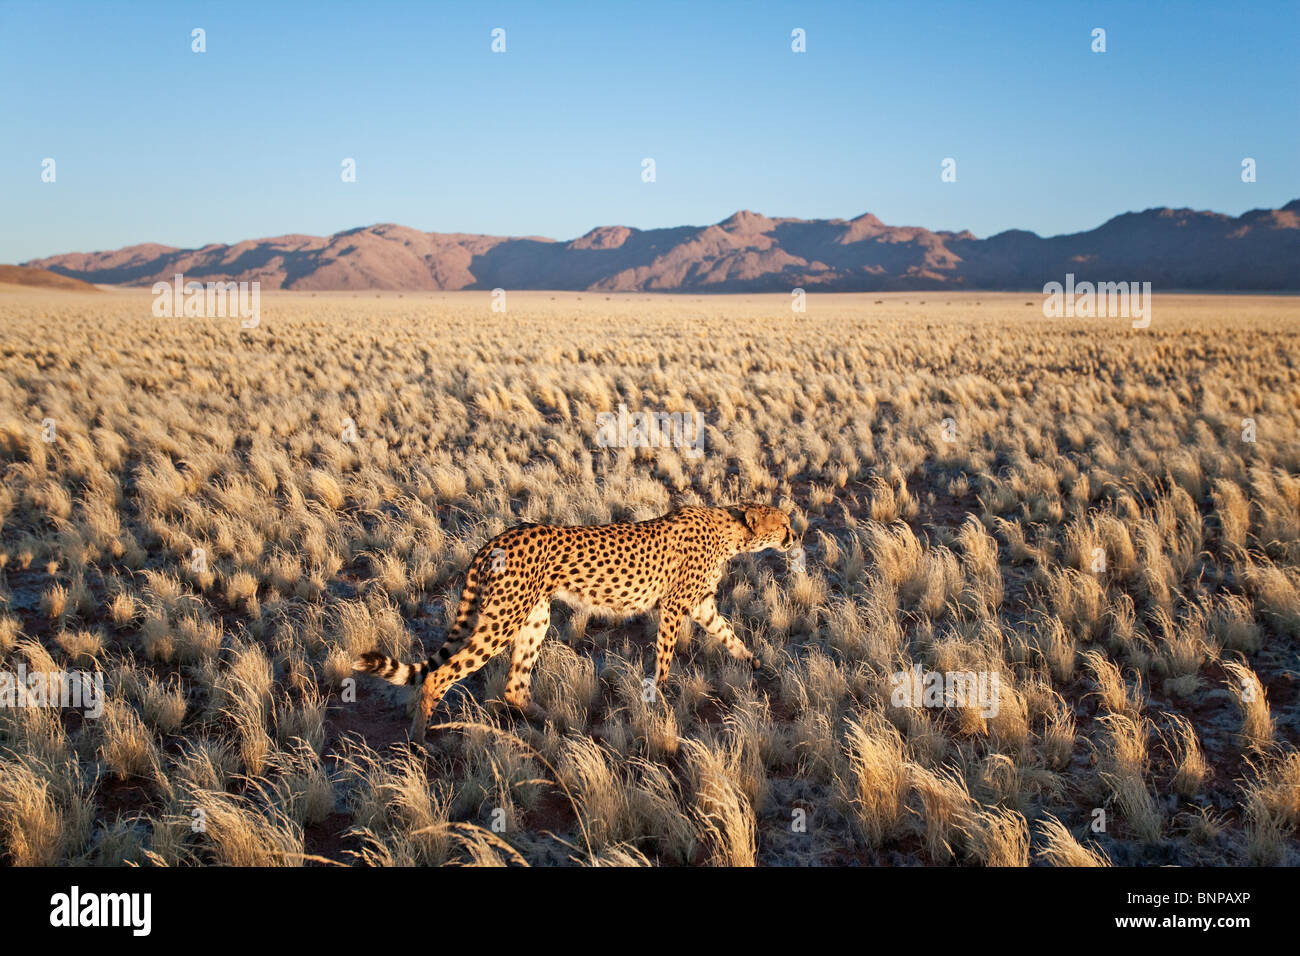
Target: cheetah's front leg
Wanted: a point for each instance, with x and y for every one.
(706, 615)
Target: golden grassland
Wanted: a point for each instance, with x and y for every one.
(1098, 535)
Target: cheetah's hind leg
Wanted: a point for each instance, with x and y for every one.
(532, 711)
(527, 645)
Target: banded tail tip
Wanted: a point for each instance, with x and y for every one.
(369, 662)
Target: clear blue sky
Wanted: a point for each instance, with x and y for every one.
(156, 143)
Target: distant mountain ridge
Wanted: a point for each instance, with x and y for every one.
(747, 252)
(41, 278)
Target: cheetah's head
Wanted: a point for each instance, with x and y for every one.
(763, 527)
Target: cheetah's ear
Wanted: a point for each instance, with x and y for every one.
(753, 518)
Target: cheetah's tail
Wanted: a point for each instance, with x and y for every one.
(471, 598)
(390, 668)
(396, 672)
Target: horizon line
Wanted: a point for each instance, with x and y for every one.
(738, 212)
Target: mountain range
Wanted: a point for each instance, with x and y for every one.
(1171, 248)
(41, 278)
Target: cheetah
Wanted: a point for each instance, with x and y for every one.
(674, 561)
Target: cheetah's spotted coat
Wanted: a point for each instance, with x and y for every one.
(674, 561)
